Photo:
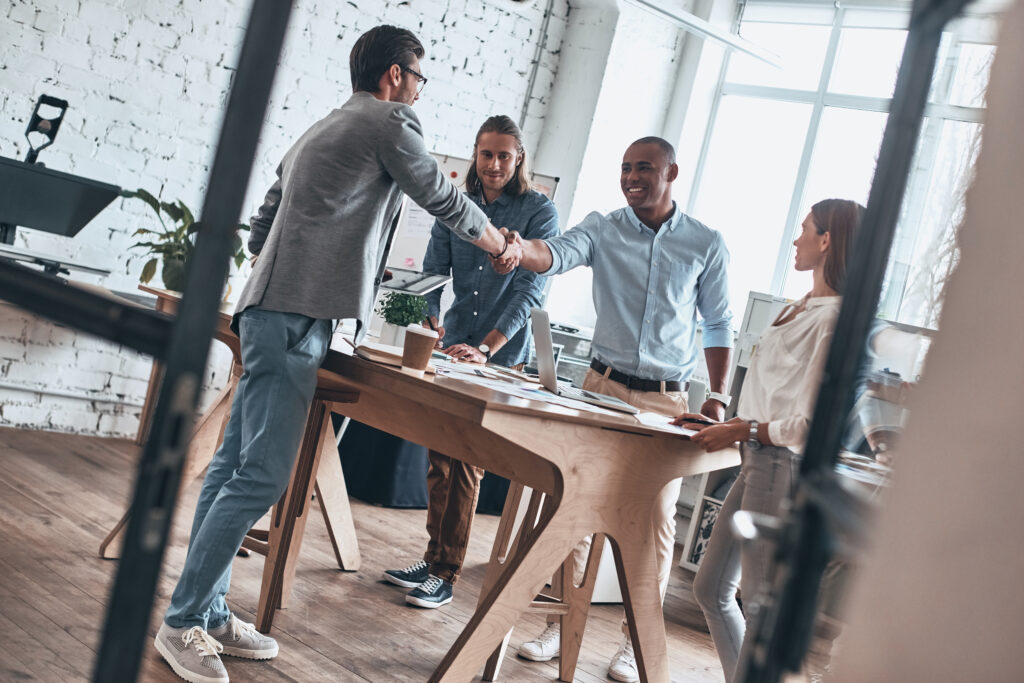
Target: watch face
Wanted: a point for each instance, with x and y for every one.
(485, 349)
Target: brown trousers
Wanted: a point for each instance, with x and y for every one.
(452, 487)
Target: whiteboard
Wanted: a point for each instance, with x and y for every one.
(414, 224)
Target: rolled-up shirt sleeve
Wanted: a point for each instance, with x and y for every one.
(713, 297)
(405, 156)
(575, 247)
(437, 260)
(528, 286)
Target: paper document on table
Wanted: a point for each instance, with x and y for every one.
(662, 422)
(452, 367)
(518, 389)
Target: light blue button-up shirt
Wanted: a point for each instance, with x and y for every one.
(648, 288)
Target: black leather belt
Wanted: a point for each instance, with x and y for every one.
(635, 382)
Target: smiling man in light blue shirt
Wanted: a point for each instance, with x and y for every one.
(655, 269)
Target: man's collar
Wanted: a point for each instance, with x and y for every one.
(670, 224)
(501, 200)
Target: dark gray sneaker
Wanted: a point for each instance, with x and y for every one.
(432, 593)
(192, 653)
(410, 577)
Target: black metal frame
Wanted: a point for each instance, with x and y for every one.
(821, 509)
(163, 456)
(181, 344)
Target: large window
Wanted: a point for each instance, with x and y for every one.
(782, 138)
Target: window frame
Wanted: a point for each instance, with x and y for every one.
(862, 14)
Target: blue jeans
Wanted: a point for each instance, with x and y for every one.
(767, 477)
(281, 353)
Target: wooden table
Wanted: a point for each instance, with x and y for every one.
(598, 473)
(589, 473)
(329, 482)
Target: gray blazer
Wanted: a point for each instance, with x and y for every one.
(326, 225)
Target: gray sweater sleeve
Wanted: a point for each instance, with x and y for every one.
(264, 218)
(405, 156)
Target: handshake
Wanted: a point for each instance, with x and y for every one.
(508, 259)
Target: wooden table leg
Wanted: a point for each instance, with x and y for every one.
(149, 404)
(534, 561)
(288, 521)
(505, 542)
(641, 597)
(577, 599)
(333, 496)
(209, 432)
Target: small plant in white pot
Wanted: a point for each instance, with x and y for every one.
(399, 310)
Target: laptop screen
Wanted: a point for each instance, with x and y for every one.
(544, 349)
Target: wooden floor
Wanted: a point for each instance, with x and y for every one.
(60, 494)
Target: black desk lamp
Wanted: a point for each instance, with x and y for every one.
(46, 127)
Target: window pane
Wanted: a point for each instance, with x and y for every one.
(801, 49)
(747, 185)
(970, 80)
(842, 166)
(925, 252)
(867, 62)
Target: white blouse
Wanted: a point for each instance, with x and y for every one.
(781, 385)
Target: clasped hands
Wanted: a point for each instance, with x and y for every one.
(508, 259)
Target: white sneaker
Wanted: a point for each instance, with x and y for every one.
(544, 647)
(241, 639)
(192, 653)
(623, 664)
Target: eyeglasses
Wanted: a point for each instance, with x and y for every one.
(419, 77)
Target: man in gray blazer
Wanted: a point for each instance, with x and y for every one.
(321, 238)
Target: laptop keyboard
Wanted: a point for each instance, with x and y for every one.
(573, 392)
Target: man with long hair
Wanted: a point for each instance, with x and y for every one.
(488, 322)
(321, 238)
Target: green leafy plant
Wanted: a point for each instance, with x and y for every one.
(402, 309)
(174, 240)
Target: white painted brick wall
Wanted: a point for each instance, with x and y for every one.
(147, 81)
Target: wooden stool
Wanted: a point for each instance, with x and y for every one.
(570, 602)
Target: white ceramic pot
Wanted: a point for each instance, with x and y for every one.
(392, 335)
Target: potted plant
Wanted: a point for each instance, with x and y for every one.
(173, 242)
(399, 310)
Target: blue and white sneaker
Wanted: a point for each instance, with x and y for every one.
(410, 577)
(432, 593)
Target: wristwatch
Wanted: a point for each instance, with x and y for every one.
(752, 439)
(721, 398)
(486, 350)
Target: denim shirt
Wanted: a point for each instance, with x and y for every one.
(648, 287)
(484, 300)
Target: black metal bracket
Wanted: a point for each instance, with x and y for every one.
(47, 127)
(163, 456)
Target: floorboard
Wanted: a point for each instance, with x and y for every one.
(60, 494)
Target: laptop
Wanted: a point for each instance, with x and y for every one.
(544, 348)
